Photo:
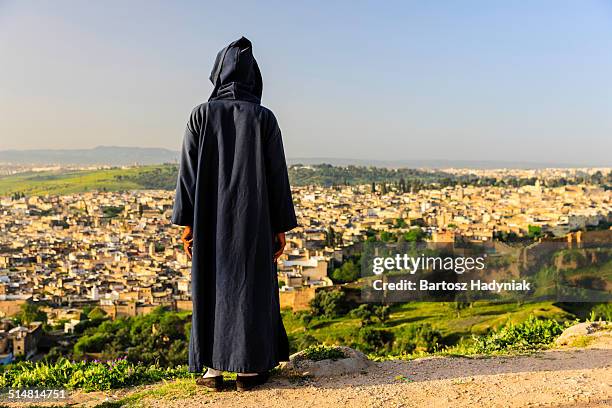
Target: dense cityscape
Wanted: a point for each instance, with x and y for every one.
(118, 251)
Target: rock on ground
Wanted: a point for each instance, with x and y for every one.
(353, 363)
(581, 330)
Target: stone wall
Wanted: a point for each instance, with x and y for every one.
(298, 299)
(10, 307)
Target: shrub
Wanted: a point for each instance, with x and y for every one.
(417, 338)
(85, 375)
(534, 231)
(91, 344)
(147, 338)
(414, 235)
(323, 352)
(329, 304)
(31, 312)
(602, 312)
(382, 313)
(305, 318)
(348, 272)
(574, 255)
(367, 311)
(532, 334)
(305, 341)
(375, 340)
(364, 312)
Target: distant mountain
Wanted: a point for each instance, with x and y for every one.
(109, 155)
(120, 156)
(438, 164)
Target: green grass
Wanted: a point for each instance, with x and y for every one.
(532, 334)
(77, 181)
(85, 375)
(167, 391)
(323, 352)
(455, 326)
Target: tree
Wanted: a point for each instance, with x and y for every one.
(597, 177)
(506, 236)
(402, 185)
(96, 314)
(368, 311)
(364, 312)
(386, 236)
(30, 312)
(417, 338)
(400, 223)
(91, 344)
(330, 237)
(348, 272)
(159, 337)
(375, 340)
(370, 235)
(534, 231)
(329, 304)
(414, 235)
(382, 313)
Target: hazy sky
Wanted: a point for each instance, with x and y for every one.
(473, 80)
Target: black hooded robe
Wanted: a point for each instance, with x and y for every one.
(234, 190)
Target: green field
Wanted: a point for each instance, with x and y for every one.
(164, 177)
(455, 326)
(69, 182)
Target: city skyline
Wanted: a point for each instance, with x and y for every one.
(499, 82)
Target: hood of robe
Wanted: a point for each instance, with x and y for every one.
(235, 73)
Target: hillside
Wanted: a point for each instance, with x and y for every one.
(163, 176)
(76, 181)
(453, 326)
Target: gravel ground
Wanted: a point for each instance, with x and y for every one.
(555, 378)
(560, 378)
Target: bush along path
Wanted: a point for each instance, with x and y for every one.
(86, 375)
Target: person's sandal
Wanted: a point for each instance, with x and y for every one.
(248, 382)
(211, 383)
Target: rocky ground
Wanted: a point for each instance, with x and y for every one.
(566, 377)
(580, 378)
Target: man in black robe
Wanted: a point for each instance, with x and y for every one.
(234, 199)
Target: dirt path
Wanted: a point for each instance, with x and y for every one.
(556, 378)
(561, 378)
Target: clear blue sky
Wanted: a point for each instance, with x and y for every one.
(473, 80)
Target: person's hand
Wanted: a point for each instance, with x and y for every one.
(280, 242)
(187, 239)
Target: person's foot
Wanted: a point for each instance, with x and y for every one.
(248, 382)
(211, 383)
(212, 380)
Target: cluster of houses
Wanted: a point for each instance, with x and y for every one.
(118, 250)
